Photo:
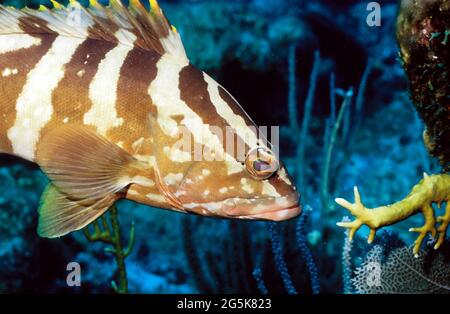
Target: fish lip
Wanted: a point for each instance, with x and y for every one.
(277, 215)
(274, 209)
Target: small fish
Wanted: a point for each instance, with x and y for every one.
(101, 97)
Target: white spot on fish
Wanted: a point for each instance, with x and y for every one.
(283, 176)
(199, 178)
(156, 198)
(179, 193)
(269, 190)
(223, 190)
(132, 192)
(143, 181)
(246, 186)
(206, 172)
(177, 155)
(8, 72)
(282, 201)
(214, 207)
(81, 73)
(173, 178)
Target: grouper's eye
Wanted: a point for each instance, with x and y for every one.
(261, 163)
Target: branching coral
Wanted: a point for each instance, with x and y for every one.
(279, 259)
(257, 274)
(109, 233)
(280, 262)
(306, 252)
(432, 189)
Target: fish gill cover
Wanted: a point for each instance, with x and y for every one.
(330, 75)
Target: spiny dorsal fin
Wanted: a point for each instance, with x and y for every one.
(131, 25)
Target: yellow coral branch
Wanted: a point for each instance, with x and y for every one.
(432, 189)
(442, 229)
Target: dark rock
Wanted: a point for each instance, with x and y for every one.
(423, 28)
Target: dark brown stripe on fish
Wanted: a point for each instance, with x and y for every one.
(103, 29)
(33, 25)
(194, 92)
(147, 36)
(237, 109)
(23, 60)
(137, 73)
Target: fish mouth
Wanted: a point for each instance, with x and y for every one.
(272, 209)
(277, 215)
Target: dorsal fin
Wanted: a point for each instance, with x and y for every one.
(131, 25)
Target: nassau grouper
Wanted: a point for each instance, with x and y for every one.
(101, 98)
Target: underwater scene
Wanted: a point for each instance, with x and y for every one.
(349, 195)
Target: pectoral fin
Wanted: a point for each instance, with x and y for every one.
(166, 163)
(60, 215)
(85, 165)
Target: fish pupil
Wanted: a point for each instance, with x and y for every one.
(261, 165)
